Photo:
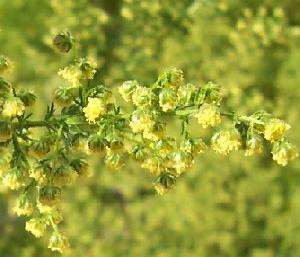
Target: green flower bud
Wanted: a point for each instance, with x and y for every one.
(154, 165)
(63, 96)
(171, 79)
(254, 145)
(186, 94)
(5, 88)
(143, 96)
(87, 68)
(283, 152)
(181, 161)
(193, 146)
(15, 178)
(167, 100)
(37, 226)
(127, 89)
(63, 42)
(164, 183)
(81, 167)
(28, 98)
(141, 120)
(97, 144)
(114, 160)
(226, 141)
(4, 64)
(5, 131)
(209, 93)
(23, 206)
(49, 195)
(116, 143)
(64, 176)
(39, 149)
(139, 152)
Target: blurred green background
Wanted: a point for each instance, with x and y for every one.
(224, 207)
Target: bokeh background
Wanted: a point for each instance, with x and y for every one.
(224, 207)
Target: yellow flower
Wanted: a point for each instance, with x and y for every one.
(23, 207)
(94, 109)
(142, 96)
(127, 89)
(224, 142)
(283, 152)
(13, 107)
(275, 129)
(72, 74)
(167, 99)
(154, 165)
(14, 179)
(58, 242)
(36, 226)
(208, 115)
(181, 161)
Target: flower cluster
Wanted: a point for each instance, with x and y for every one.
(89, 122)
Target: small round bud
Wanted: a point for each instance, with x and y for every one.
(254, 145)
(23, 206)
(171, 79)
(186, 94)
(28, 98)
(63, 42)
(63, 96)
(49, 195)
(5, 131)
(81, 167)
(114, 160)
(141, 120)
(64, 176)
(193, 146)
(127, 89)
(116, 143)
(154, 165)
(97, 144)
(142, 96)
(181, 161)
(164, 183)
(39, 149)
(139, 152)
(156, 133)
(58, 242)
(15, 179)
(87, 68)
(167, 100)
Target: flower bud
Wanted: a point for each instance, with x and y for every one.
(143, 96)
(39, 149)
(193, 146)
(81, 167)
(156, 133)
(171, 79)
(23, 206)
(58, 242)
(141, 120)
(208, 115)
(164, 183)
(167, 100)
(127, 89)
(154, 165)
(283, 152)
(5, 131)
(63, 42)
(226, 141)
(15, 178)
(63, 96)
(254, 145)
(275, 129)
(209, 93)
(28, 98)
(114, 160)
(49, 195)
(64, 176)
(116, 143)
(5, 88)
(97, 144)
(88, 68)
(186, 94)
(139, 152)
(181, 161)
(4, 64)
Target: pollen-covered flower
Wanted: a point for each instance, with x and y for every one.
(254, 145)
(127, 89)
(58, 242)
(167, 99)
(208, 115)
(37, 226)
(141, 121)
(275, 129)
(72, 74)
(13, 107)
(94, 109)
(283, 152)
(226, 141)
